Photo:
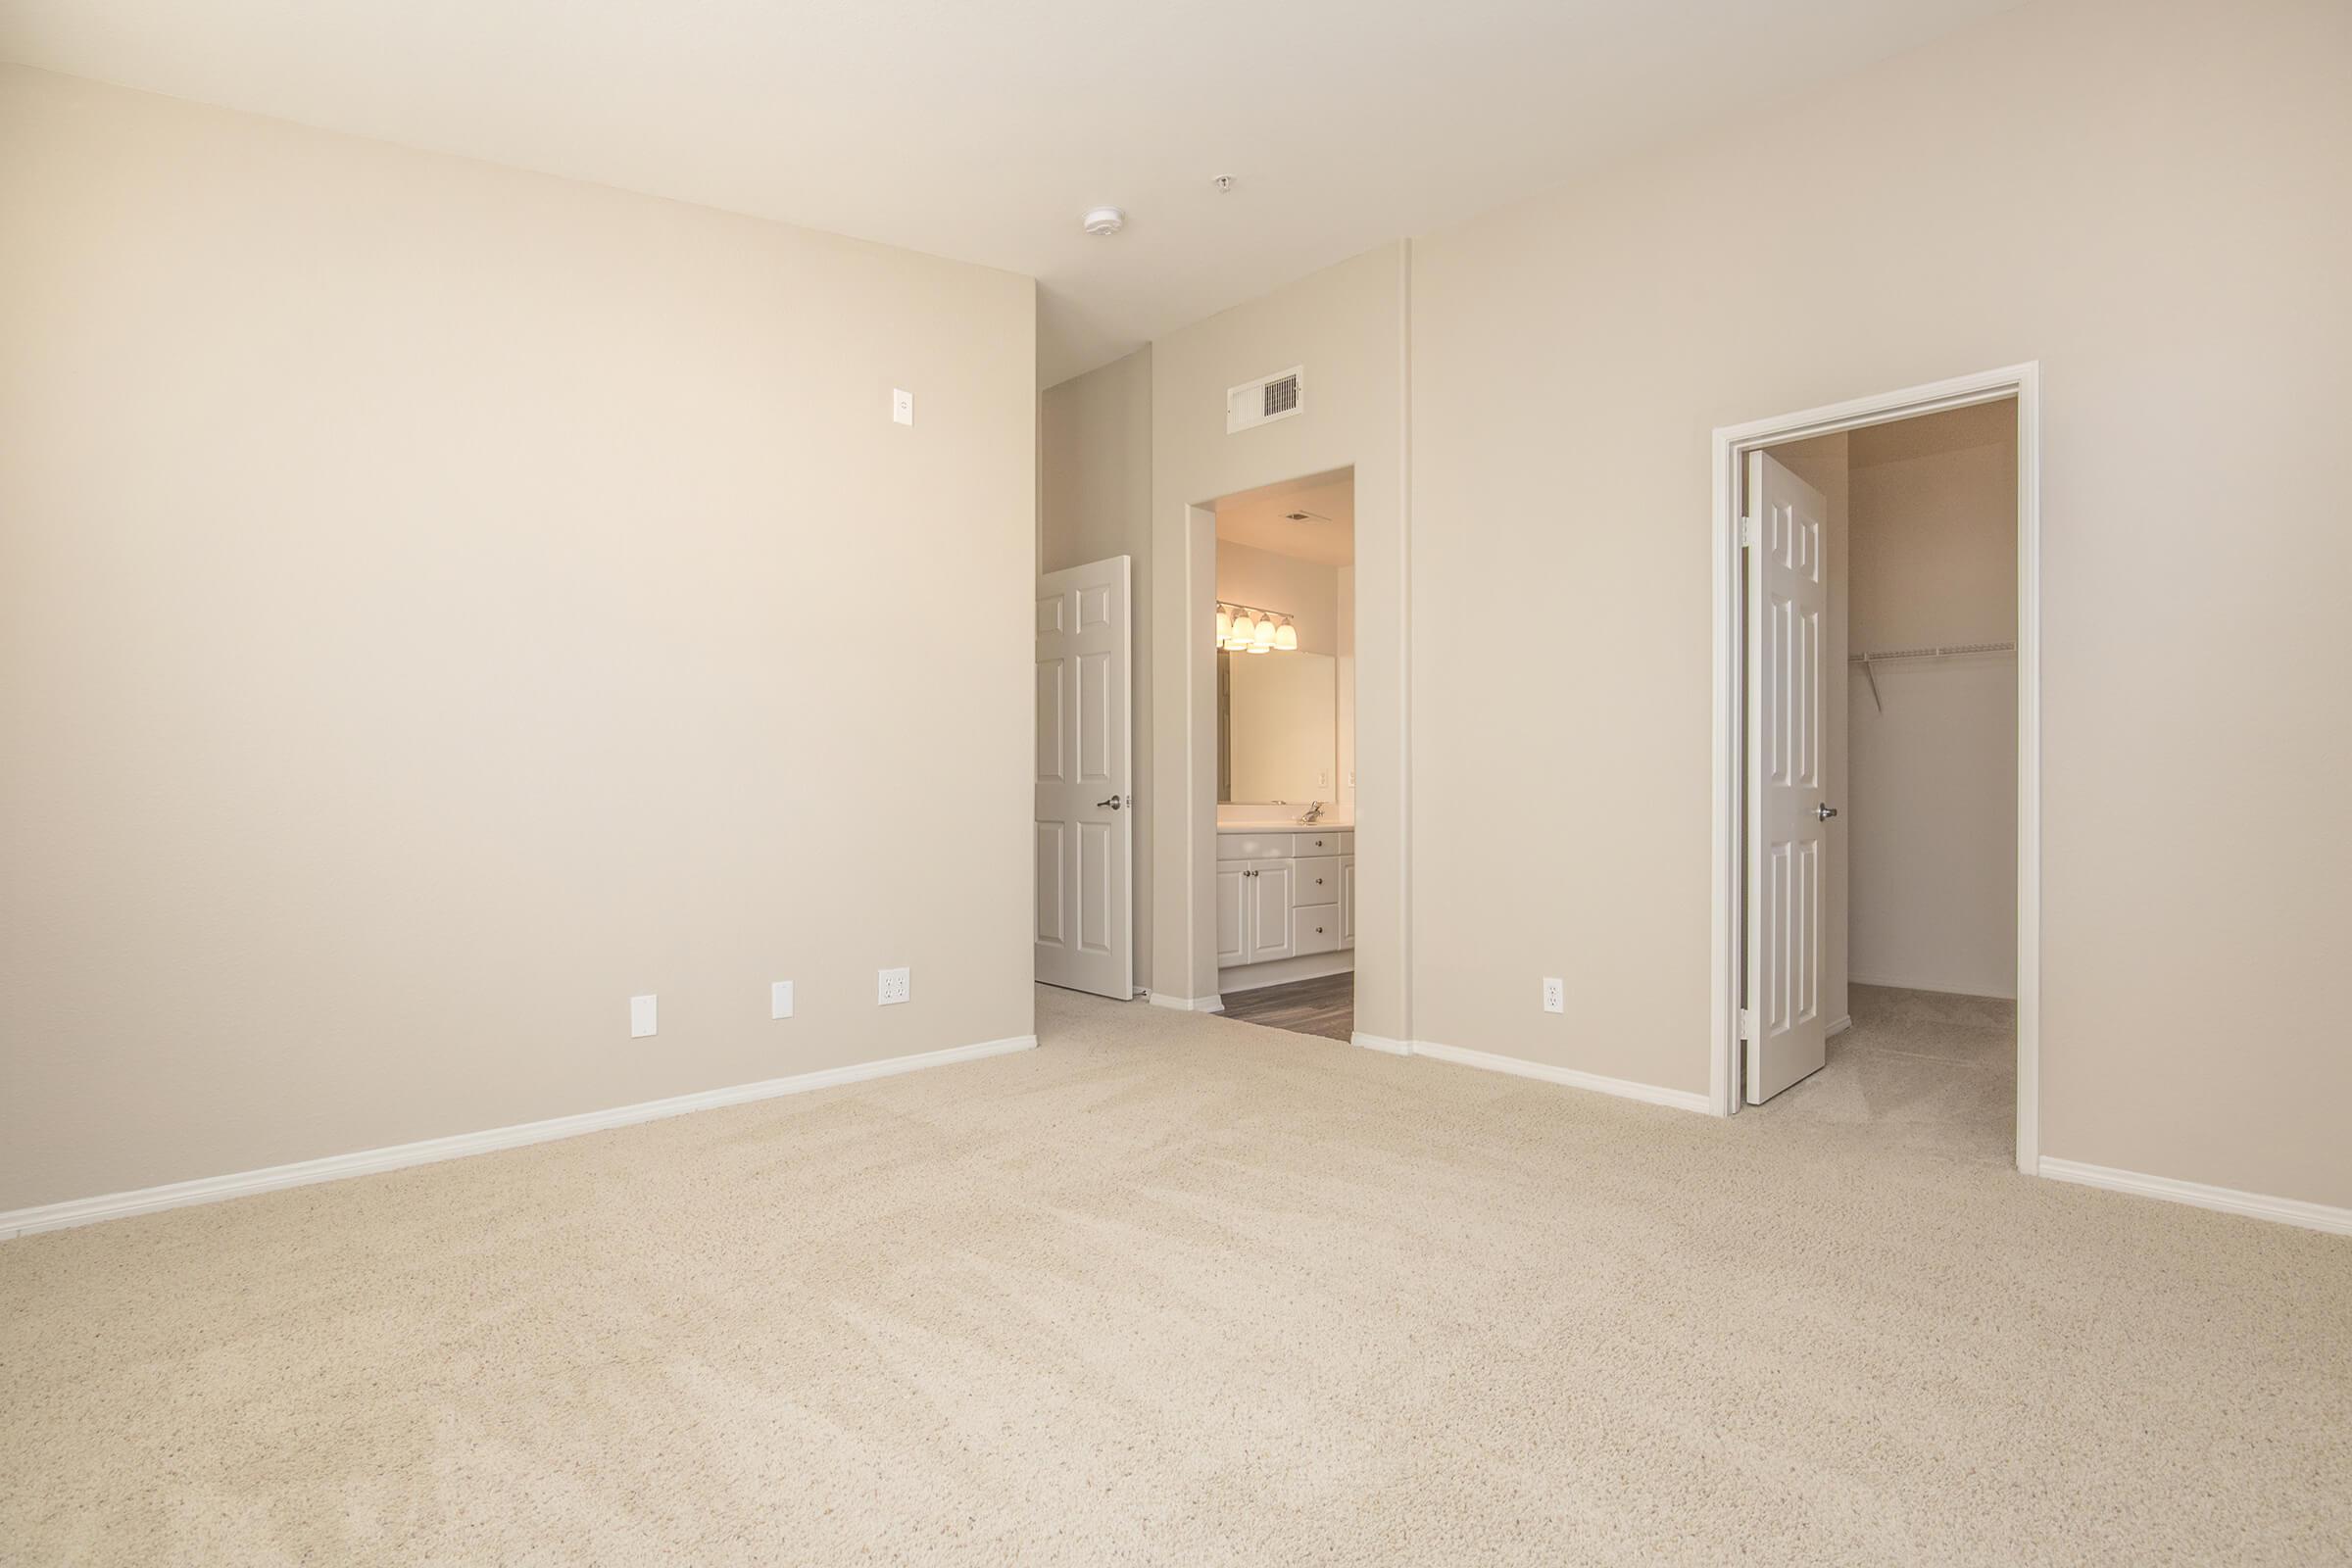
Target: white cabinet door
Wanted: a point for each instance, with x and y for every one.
(1233, 915)
(1084, 832)
(1348, 902)
(1270, 899)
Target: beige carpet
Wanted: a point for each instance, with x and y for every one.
(1175, 1290)
(1919, 1072)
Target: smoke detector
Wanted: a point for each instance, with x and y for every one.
(1105, 220)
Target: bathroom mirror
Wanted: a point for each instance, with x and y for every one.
(1278, 727)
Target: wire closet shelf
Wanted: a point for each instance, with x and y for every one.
(1942, 650)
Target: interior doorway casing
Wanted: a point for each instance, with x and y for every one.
(1732, 444)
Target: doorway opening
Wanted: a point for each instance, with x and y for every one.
(1877, 893)
(1284, 871)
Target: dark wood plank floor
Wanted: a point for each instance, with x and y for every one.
(1325, 1007)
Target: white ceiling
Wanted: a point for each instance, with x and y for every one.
(982, 129)
(1263, 519)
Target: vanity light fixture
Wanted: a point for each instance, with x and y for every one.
(1243, 630)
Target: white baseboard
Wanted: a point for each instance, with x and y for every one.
(1211, 1003)
(1842, 1024)
(2228, 1201)
(368, 1163)
(1395, 1047)
(1518, 1066)
(1933, 990)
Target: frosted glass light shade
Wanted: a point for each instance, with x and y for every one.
(1263, 636)
(1224, 623)
(1286, 637)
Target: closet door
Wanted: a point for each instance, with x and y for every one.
(1084, 833)
(1787, 613)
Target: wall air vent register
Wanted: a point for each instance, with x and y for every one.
(1261, 402)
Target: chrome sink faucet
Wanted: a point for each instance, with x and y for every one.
(1314, 809)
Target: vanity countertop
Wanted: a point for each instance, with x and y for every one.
(1320, 825)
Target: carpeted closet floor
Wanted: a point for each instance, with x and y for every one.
(1920, 1072)
(1176, 1289)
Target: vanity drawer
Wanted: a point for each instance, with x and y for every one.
(1305, 844)
(1253, 846)
(1315, 929)
(1318, 881)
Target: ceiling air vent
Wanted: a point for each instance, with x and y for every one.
(1257, 403)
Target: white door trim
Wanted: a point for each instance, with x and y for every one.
(1733, 443)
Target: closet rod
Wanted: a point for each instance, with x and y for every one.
(1871, 675)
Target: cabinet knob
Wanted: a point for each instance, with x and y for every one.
(1318, 930)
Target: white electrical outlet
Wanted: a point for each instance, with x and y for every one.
(902, 405)
(895, 984)
(1555, 995)
(779, 1000)
(641, 1018)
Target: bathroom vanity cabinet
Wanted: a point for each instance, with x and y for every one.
(1282, 893)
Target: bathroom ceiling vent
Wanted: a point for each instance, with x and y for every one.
(1257, 403)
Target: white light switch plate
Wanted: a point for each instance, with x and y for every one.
(893, 985)
(1555, 995)
(902, 405)
(779, 1000)
(641, 1018)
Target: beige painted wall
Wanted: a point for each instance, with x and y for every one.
(1345, 325)
(1343, 805)
(2153, 200)
(1934, 794)
(439, 602)
(1094, 502)
(1822, 463)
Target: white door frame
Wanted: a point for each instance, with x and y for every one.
(1733, 443)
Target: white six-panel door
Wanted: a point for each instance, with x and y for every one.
(1788, 617)
(1085, 783)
